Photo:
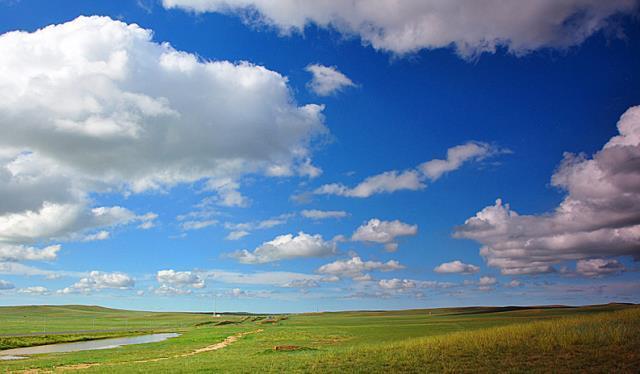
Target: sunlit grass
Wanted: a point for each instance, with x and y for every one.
(599, 338)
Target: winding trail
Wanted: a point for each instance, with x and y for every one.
(214, 347)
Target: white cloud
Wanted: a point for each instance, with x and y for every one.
(242, 229)
(34, 290)
(16, 268)
(402, 285)
(487, 281)
(237, 292)
(197, 225)
(147, 220)
(301, 283)
(165, 290)
(456, 266)
(174, 278)
(114, 111)
(514, 283)
(273, 222)
(100, 235)
(598, 267)
(327, 80)
(4, 285)
(307, 169)
(598, 217)
(23, 253)
(97, 280)
(204, 212)
(323, 214)
(272, 278)
(413, 179)
(396, 283)
(237, 235)
(227, 192)
(470, 26)
(66, 221)
(456, 156)
(357, 269)
(285, 247)
(385, 232)
(387, 182)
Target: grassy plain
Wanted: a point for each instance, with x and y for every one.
(596, 338)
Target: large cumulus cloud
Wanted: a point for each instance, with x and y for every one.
(599, 217)
(95, 105)
(471, 26)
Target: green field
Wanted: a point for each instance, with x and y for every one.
(602, 338)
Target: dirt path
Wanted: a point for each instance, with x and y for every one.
(214, 347)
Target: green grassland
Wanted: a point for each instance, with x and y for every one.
(602, 338)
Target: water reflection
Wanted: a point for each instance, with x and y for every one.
(14, 354)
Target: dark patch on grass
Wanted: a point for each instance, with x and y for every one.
(205, 323)
(289, 349)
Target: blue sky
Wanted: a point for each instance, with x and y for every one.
(278, 159)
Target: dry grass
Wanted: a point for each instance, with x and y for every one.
(597, 343)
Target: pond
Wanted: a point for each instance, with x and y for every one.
(18, 353)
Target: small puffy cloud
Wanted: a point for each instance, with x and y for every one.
(456, 156)
(285, 247)
(147, 220)
(330, 279)
(227, 191)
(396, 283)
(307, 169)
(237, 292)
(598, 267)
(16, 268)
(384, 232)
(174, 278)
(327, 80)
(471, 27)
(456, 266)
(323, 214)
(24, 253)
(387, 182)
(97, 280)
(100, 235)
(357, 269)
(236, 235)
(413, 179)
(34, 290)
(598, 217)
(5, 285)
(166, 290)
(271, 278)
(273, 222)
(410, 284)
(487, 281)
(242, 229)
(514, 283)
(302, 283)
(197, 225)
